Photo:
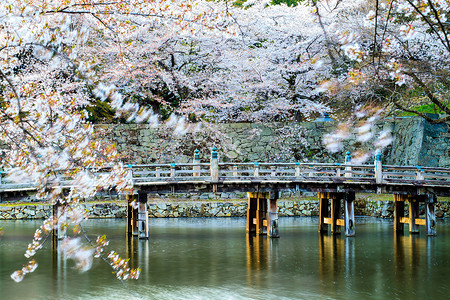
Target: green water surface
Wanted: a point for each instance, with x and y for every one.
(213, 258)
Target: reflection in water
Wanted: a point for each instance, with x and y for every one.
(333, 251)
(59, 263)
(413, 254)
(215, 259)
(138, 254)
(261, 257)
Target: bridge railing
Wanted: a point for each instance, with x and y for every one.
(410, 173)
(213, 171)
(171, 172)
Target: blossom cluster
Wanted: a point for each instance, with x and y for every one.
(101, 242)
(18, 276)
(44, 230)
(121, 268)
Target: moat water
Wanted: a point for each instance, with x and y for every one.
(213, 258)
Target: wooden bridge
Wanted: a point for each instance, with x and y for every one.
(335, 183)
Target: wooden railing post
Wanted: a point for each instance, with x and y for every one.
(131, 171)
(256, 172)
(196, 161)
(348, 161)
(378, 167)
(297, 169)
(273, 171)
(172, 171)
(157, 169)
(214, 165)
(235, 173)
(419, 175)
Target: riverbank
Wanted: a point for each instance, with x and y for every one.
(368, 205)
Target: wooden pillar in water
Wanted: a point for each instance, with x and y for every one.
(251, 211)
(142, 216)
(261, 213)
(132, 215)
(60, 231)
(413, 219)
(335, 213)
(349, 214)
(257, 212)
(332, 216)
(399, 212)
(430, 215)
(323, 211)
(272, 215)
(413, 214)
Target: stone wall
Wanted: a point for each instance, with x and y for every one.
(416, 142)
(419, 143)
(382, 209)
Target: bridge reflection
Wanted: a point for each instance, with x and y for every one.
(341, 263)
(138, 253)
(410, 252)
(336, 257)
(261, 254)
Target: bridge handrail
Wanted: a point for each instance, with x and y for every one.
(216, 171)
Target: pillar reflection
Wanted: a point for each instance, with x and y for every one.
(336, 257)
(59, 262)
(261, 258)
(138, 254)
(410, 252)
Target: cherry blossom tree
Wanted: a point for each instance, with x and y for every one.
(57, 57)
(389, 53)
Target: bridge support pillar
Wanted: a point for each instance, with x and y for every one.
(142, 216)
(431, 217)
(331, 215)
(132, 226)
(60, 232)
(349, 214)
(335, 213)
(399, 212)
(323, 212)
(413, 219)
(272, 215)
(257, 212)
(413, 215)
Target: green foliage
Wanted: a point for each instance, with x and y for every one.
(100, 112)
(287, 2)
(241, 3)
(426, 108)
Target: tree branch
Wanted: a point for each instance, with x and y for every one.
(436, 15)
(428, 92)
(420, 114)
(429, 23)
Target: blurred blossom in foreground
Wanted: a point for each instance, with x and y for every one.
(363, 129)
